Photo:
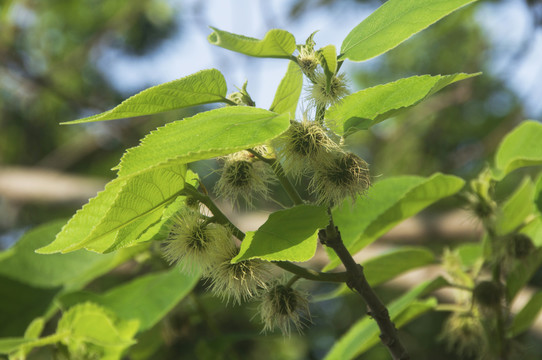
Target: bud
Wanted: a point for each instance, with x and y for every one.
(283, 307)
(240, 281)
(244, 176)
(520, 245)
(242, 97)
(191, 242)
(464, 333)
(347, 175)
(304, 144)
(487, 294)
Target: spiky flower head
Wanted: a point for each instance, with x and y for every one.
(240, 281)
(244, 176)
(488, 295)
(347, 176)
(304, 144)
(520, 245)
(464, 334)
(192, 243)
(324, 95)
(283, 307)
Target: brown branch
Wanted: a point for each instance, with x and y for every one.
(356, 280)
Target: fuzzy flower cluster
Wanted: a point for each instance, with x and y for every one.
(244, 177)
(283, 307)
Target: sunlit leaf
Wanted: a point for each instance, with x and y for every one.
(288, 235)
(514, 211)
(519, 148)
(203, 87)
(287, 95)
(368, 107)
(275, 44)
(393, 23)
(119, 214)
(206, 135)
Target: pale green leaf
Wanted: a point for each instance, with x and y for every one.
(328, 58)
(206, 135)
(534, 230)
(123, 219)
(527, 316)
(521, 273)
(364, 333)
(393, 23)
(275, 44)
(387, 203)
(90, 323)
(288, 235)
(521, 147)
(147, 299)
(203, 87)
(287, 95)
(514, 210)
(72, 270)
(387, 266)
(365, 108)
(35, 328)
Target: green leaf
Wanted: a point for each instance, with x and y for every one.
(203, 87)
(288, 235)
(121, 213)
(513, 212)
(538, 194)
(526, 317)
(364, 334)
(206, 135)
(519, 148)
(287, 95)
(521, 273)
(35, 328)
(534, 231)
(147, 299)
(9, 345)
(89, 323)
(393, 23)
(387, 203)
(365, 108)
(387, 266)
(275, 44)
(72, 270)
(328, 58)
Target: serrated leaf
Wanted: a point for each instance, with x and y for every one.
(203, 87)
(521, 147)
(527, 316)
(288, 235)
(147, 299)
(123, 217)
(393, 23)
(386, 204)
(364, 333)
(287, 95)
(365, 108)
(72, 270)
(275, 44)
(516, 208)
(209, 134)
(521, 273)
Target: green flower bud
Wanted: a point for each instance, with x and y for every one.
(347, 176)
(304, 144)
(283, 307)
(520, 245)
(243, 176)
(240, 281)
(487, 294)
(191, 242)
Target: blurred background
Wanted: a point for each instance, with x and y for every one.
(65, 59)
